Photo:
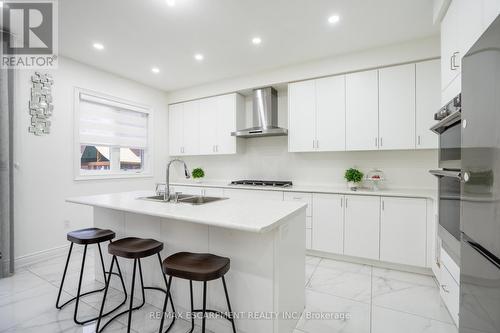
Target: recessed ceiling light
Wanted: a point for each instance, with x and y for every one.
(155, 70)
(199, 56)
(170, 3)
(98, 46)
(256, 40)
(333, 19)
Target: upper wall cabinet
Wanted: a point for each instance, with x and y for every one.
(397, 107)
(184, 128)
(462, 25)
(316, 119)
(362, 110)
(428, 101)
(203, 127)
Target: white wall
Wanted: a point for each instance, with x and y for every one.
(44, 177)
(267, 158)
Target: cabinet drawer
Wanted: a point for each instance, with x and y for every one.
(450, 265)
(302, 197)
(450, 293)
(253, 194)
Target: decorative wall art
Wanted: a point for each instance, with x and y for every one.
(41, 106)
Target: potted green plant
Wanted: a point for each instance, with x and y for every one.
(353, 177)
(198, 174)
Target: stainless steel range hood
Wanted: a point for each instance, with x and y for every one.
(265, 115)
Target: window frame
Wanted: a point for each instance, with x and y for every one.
(115, 171)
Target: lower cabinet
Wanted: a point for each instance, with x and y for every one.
(362, 226)
(403, 231)
(328, 223)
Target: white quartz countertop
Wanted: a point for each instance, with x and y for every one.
(245, 215)
(400, 192)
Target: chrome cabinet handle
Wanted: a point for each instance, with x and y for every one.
(341, 202)
(381, 142)
(383, 205)
(418, 140)
(317, 143)
(376, 142)
(445, 288)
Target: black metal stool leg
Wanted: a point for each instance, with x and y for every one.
(105, 294)
(102, 262)
(75, 319)
(131, 297)
(228, 305)
(192, 305)
(63, 278)
(203, 319)
(165, 303)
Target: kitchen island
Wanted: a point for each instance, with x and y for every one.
(263, 239)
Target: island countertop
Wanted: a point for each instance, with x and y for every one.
(245, 215)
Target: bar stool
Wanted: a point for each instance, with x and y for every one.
(197, 267)
(136, 249)
(87, 237)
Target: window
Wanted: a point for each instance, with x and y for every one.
(112, 137)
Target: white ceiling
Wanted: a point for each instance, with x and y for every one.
(140, 34)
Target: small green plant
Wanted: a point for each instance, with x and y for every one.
(198, 173)
(353, 175)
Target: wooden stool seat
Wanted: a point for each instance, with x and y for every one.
(196, 266)
(135, 248)
(90, 236)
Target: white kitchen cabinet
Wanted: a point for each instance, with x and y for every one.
(253, 194)
(203, 127)
(302, 116)
(397, 107)
(183, 128)
(362, 111)
(191, 125)
(208, 128)
(316, 120)
(450, 293)
(428, 102)
(403, 229)
(362, 226)
(176, 128)
(460, 28)
(328, 223)
(308, 239)
(330, 113)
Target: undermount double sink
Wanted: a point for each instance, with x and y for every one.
(184, 198)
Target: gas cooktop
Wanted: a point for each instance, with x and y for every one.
(271, 183)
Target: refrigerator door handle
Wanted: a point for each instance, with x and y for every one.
(485, 253)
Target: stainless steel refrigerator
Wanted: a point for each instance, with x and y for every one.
(480, 192)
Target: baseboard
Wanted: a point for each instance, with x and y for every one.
(39, 256)
(376, 263)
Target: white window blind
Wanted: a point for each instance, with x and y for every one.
(110, 123)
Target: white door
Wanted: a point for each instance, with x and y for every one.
(226, 123)
(428, 102)
(330, 113)
(362, 111)
(208, 125)
(403, 231)
(328, 223)
(301, 116)
(191, 135)
(175, 129)
(397, 107)
(362, 226)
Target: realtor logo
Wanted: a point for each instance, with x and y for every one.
(29, 36)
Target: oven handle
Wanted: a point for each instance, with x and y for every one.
(482, 251)
(450, 120)
(447, 173)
